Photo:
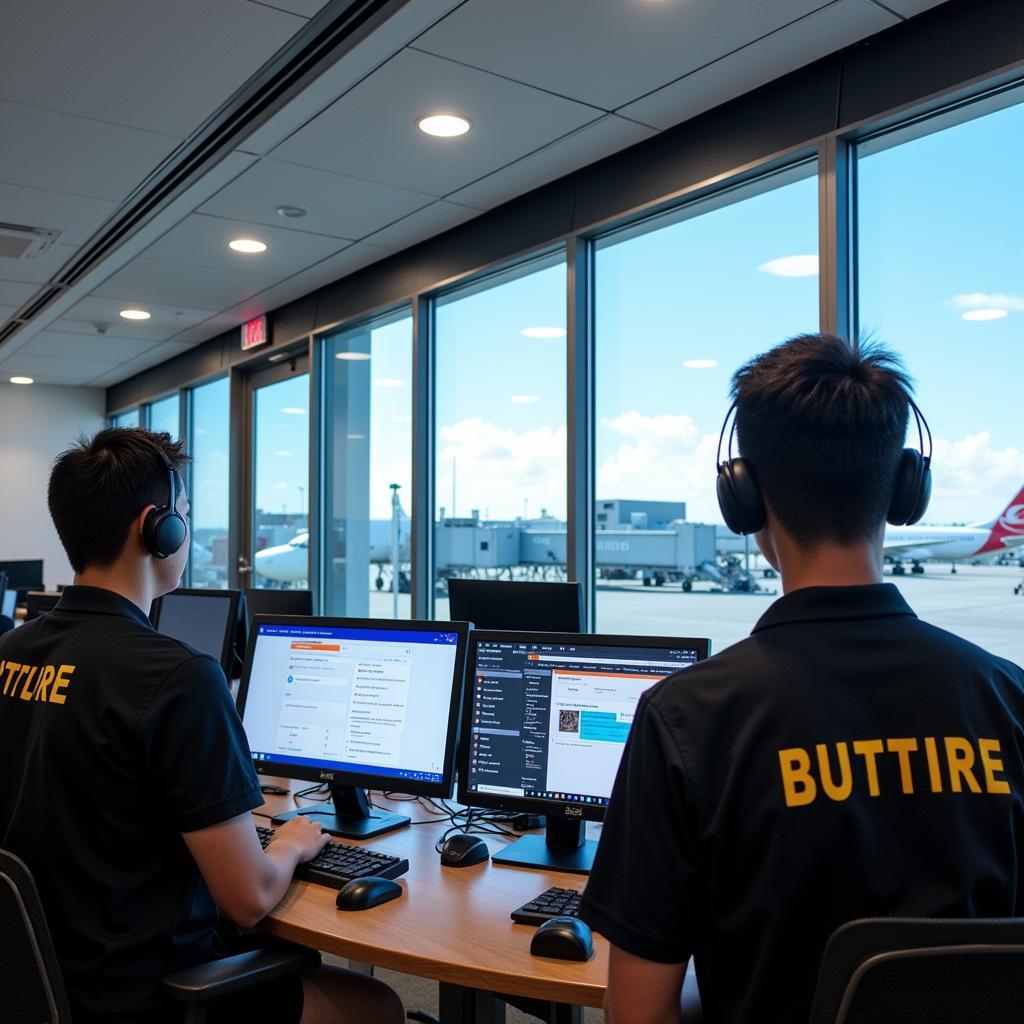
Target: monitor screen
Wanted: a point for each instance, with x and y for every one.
(507, 604)
(548, 718)
(8, 602)
(203, 619)
(24, 574)
(365, 701)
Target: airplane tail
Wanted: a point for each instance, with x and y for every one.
(1008, 529)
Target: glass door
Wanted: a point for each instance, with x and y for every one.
(276, 555)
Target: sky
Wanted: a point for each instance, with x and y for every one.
(941, 233)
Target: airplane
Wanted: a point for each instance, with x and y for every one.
(954, 543)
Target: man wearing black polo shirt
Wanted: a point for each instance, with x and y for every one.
(846, 760)
(128, 780)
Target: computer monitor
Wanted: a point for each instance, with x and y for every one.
(7, 598)
(38, 602)
(504, 604)
(354, 703)
(23, 575)
(545, 721)
(204, 619)
(278, 602)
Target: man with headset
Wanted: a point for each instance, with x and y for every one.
(128, 780)
(846, 760)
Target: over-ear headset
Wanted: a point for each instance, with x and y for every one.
(742, 506)
(164, 529)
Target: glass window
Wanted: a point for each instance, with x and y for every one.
(940, 225)
(678, 308)
(128, 418)
(500, 421)
(209, 417)
(164, 415)
(281, 484)
(367, 458)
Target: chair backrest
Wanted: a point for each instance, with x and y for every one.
(31, 988)
(922, 971)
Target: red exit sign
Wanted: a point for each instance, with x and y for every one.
(254, 333)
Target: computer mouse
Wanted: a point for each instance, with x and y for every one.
(371, 891)
(564, 938)
(462, 851)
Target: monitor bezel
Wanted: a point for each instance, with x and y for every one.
(538, 588)
(227, 653)
(546, 805)
(414, 787)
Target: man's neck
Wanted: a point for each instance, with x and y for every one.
(116, 578)
(830, 565)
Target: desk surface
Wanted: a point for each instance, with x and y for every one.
(452, 924)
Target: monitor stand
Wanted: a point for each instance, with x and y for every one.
(563, 847)
(349, 815)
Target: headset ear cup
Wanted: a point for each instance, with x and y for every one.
(924, 493)
(906, 490)
(163, 532)
(739, 497)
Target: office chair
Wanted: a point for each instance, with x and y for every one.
(32, 989)
(922, 971)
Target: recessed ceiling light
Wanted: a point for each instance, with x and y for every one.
(22, 380)
(390, 382)
(293, 410)
(700, 364)
(791, 266)
(247, 245)
(134, 314)
(984, 314)
(443, 126)
(355, 357)
(543, 332)
(525, 399)
(291, 211)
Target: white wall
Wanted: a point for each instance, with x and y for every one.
(36, 425)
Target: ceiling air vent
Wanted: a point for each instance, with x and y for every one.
(18, 242)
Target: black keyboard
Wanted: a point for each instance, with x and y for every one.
(338, 863)
(550, 903)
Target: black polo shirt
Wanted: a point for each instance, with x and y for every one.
(115, 739)
(846, 760)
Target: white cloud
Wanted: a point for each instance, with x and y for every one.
(660, 458)
(496, 469)
(985, 300)
(973, 481)
(791, 266)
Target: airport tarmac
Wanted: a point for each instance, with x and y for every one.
(978, 603)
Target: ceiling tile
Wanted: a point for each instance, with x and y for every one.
(201, 240)
(50, 370)
(165, 321)
(599, 139)
(823, 32)
(159, 66)
(60, 153)
(371, 131)
(59, 344)
(37, 271)
(75, 217)
(6, 312)
(604, 52)
(15, 292)
(335, 204)
(908, 8)
(306, 8)
(419, 226)
(169, 282)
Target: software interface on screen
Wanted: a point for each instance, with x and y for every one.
(10, 598)
(200, 622)
(374, 701)
(549, 721)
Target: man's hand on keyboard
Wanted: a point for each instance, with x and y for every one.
(304, 835)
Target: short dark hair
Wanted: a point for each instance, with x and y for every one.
(100, 485)
(822, 423)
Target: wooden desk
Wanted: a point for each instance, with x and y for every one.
(452, 924)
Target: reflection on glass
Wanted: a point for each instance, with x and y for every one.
(939, 243)
(129, 418)
(208, 446)
(501, 436)
(164, 415)
(367, 445)
(281, 484)
(677, 309)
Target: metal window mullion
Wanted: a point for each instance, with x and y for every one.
(423, 442)
(185, 434)
(836, 262)
(580, 421)
(316, 523)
